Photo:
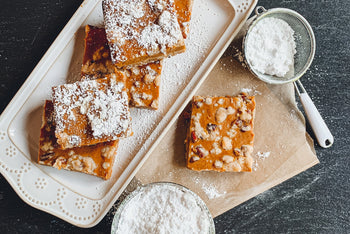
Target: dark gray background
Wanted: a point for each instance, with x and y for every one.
(315, 201)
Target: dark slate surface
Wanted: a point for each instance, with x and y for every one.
(316, 201)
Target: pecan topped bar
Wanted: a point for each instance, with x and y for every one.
(91, 111)
(94, 160)
(220, 136)
(140, 31)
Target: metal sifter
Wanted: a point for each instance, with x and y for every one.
(305, 46)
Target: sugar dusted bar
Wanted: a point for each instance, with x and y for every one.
(91, 111)
(139, 32)
(220, 136)
(95, 160)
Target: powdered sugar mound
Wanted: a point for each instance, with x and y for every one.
(271, 47)
(163, 209)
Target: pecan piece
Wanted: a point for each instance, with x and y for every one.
(194, 159)
(200, 151)
(194, 137)
(242, 126)
(246, 128)
(237, 152)
(211, 127)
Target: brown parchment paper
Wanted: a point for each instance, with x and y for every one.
(279, 132)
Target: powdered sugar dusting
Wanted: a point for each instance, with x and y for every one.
(149, 25)
(260, 156)
(212, 192)
(263, 155)
(250, 91)
(103, 102)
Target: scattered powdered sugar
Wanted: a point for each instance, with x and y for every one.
(271, 47)
(260, 156)
(263, 155)
(246, 90)
(250, 91)
(164, 34)
(104, 103)
(163, 208)
(212, 192)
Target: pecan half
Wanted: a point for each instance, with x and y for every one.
(200, 151)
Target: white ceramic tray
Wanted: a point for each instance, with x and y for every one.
(81, 199)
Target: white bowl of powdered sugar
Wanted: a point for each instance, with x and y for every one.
(279, 45)
(162, 208)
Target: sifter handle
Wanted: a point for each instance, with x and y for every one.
(324, 136)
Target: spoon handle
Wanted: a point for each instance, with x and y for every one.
(324, 136)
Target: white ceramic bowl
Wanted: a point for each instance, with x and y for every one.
(304, 40)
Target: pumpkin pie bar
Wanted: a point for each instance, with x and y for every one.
(95, 160)
(139, 32)
(142, 82)
(220, 136)
(91, 111)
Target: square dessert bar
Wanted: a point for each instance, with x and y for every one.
(139, 32)
(220, 136)
(95, 160)
(142, 82)
(91, 111)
